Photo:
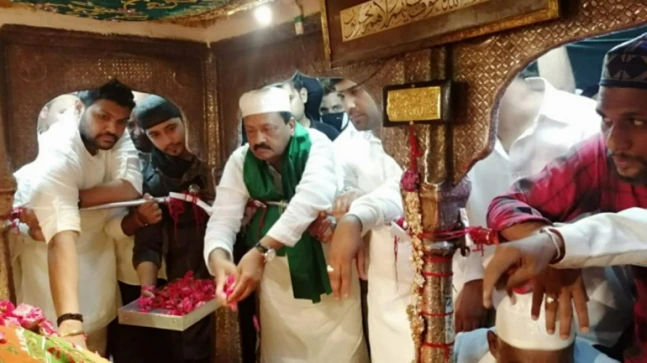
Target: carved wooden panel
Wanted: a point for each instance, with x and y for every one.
(487, 66)
(43, 63)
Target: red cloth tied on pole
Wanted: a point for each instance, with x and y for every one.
(411, 178)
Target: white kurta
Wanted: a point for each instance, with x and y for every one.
(366, 166)
(292, 330)
(473, 347)
(606, 239)
(564, 120)
(50, 186)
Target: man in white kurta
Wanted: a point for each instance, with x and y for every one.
(371, 202)
(556, 120)
(292, 329)
(82, 162)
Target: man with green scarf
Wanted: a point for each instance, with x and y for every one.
(290, 171)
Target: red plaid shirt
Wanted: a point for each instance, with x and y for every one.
(583, 181)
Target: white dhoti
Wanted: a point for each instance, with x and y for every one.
(97, 275)
(299, 331)
(389, 294)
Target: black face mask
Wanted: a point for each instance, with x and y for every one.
(335, 120)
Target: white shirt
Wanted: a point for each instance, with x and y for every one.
(50, 186)
(606, 239)
(472, 347)
(564, 119)
(315, 193)
(366, 166)
(64, 166)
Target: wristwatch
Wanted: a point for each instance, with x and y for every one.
(268, 253)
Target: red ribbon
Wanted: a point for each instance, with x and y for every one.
(445, 346)
(437, 259)
(258, 204)
(176, 208)
(436, 315)
(434, 274)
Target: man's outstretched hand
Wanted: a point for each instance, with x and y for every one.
(514, 264)
(561, 290)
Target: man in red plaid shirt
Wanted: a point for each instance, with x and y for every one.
(606, 174)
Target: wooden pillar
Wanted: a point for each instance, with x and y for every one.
(433, 208)
(7, 190)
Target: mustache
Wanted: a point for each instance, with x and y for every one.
(621, 155)
(262, 146)
(172, 146)
(114, 137)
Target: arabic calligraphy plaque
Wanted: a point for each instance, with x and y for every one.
(380, 15)
(360, 30)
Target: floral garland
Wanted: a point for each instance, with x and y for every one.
(410, 185)
(180, 297)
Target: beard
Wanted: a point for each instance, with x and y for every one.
(94, 141)
(639, 179)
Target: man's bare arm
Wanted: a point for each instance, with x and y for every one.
(522, 230)
(147, 273)
(64, 277)
(111, 192)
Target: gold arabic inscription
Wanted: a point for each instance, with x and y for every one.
(414, 104)
(376, 16)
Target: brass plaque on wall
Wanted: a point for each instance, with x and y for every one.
(425, 102)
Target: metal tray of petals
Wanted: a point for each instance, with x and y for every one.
(158, 319)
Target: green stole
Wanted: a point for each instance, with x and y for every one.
(306, 259)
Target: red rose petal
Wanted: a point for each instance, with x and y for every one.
(180, 297)
(25, 316)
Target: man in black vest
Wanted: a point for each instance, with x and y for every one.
(178, 239)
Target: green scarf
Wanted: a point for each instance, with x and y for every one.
(306, 259)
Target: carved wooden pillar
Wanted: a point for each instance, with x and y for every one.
(7, 190)
(440, 205)
(431, 209)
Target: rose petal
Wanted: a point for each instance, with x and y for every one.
(257, 326)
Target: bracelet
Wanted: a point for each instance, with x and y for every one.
(62, 318)
(73, 333)
(553, 238)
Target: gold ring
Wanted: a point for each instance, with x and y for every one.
(330, 268)
(550, 300)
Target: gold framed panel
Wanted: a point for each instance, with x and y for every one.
(359, 30)
(419, 103)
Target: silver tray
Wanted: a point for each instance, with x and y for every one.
(129, 315)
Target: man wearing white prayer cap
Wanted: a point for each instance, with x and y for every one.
(291, 172)
(516, 337)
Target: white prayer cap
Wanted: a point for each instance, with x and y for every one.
(515, 326)
(264, 100)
